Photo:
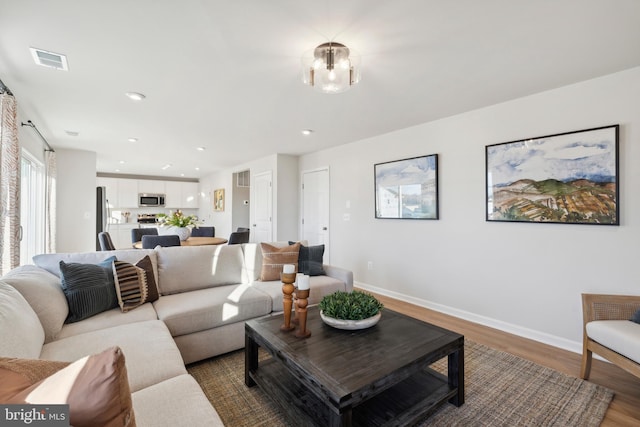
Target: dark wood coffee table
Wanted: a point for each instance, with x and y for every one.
(375, 376)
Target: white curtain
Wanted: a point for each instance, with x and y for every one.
(9, 185)
(50, 202)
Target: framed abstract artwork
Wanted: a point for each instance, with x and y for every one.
(218, 200)
(407, 189)
(568, 178)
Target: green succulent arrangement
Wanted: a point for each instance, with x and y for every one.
(354, 305)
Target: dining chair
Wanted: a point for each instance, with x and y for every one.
(137, 233)
(150, 242)
(242, 229)
(238, 237)
(204, 232)
(106, 244)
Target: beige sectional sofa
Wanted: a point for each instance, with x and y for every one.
(206, 295)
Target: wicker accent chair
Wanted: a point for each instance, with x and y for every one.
(597, 307)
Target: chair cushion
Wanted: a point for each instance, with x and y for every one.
(189, 312)
(89, 288)
(274, 258)
(95, 388)
(20, 329)
(620, 336)
(43, 292)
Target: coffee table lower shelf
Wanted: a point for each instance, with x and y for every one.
(402, 404)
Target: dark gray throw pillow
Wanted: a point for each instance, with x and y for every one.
(89, 288)
(310, 260)
(636, 316)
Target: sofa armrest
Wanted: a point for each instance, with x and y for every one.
(341, 274)
(609, 307)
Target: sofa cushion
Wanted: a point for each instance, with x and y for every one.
(187, 268)
(178, 401)
(89, 288)
(310, 260)
(51, 262)
(253, 257)
(202, 309)
(274, 258)
(20, 329)
(109, 319)
(319, 286)
(151, 354)
(43, 292)
(620, 336)
(135, 284)
(95, 388)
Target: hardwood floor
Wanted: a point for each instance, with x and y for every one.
(624, 410)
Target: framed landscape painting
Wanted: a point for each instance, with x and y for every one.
(407, 189)
(568, 178)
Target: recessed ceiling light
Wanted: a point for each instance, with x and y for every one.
(121, 162)
(132, 139)
(71, 132)
(181, 174)
(200, 148)
(307, 132)
(117, 170)
(135, 96)
(167, 166)
(197, 169)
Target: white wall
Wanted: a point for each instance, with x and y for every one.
(523, 278)
(76, 201)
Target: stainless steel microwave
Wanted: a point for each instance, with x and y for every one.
(145, 199)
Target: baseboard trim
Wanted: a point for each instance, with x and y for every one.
(563, 343)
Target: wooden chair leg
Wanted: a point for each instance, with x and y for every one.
(585, 368)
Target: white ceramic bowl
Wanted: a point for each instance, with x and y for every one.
(351, 324)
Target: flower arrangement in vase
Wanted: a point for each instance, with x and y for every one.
(177, 223)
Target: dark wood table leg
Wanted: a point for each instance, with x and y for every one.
(456, 375)
(341, 420)
(250, 360)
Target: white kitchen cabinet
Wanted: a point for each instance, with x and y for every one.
(121, 235)
(173, 191)
(151, 186)
(189, 195)
(121, 193)
(181, 195)
(127, 193)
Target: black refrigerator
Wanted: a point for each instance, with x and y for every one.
(102, 213)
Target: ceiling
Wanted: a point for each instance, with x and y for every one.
(225, 75)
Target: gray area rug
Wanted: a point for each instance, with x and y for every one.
(501, 390)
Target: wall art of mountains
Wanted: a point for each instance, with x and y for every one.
(579, 201)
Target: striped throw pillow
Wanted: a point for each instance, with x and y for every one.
(273, 258)
(134, 284)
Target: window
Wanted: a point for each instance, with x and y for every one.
(31, 207)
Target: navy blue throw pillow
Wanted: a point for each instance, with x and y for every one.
(636, 316)
(310, 260)
(89, 288)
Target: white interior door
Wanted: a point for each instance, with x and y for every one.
(315, 209)
(262, 227)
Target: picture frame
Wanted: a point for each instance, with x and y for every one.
(218, 200)
(407, 188)
(566, 178)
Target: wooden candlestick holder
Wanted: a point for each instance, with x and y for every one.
(287, 300)
(301, 312)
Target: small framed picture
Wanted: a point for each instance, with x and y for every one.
(568, 178)
(218, 200)
(408, 188)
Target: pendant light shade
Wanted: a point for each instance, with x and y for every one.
(331, 68)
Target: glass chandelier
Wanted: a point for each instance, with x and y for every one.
(331, 68)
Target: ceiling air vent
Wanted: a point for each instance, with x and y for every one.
(49, 59)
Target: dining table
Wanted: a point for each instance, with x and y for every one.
(194, 241)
